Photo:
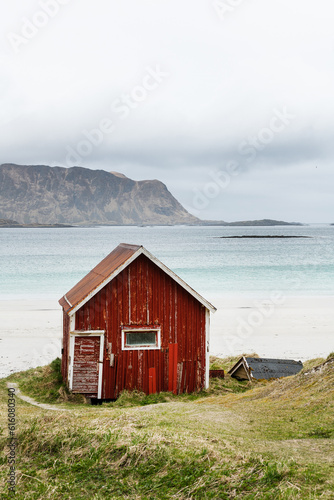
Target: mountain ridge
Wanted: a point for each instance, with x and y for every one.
(41, 194)
(44, 196)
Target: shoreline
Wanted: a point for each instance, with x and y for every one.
(296, 327)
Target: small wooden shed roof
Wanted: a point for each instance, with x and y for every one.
(108, 269)
(264, 368)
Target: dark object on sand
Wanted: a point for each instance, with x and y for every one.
(264, 368)
(217, 374)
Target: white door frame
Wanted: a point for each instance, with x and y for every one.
(207, 349)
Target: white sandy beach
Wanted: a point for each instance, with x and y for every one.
(297, 328)
(30, 334)
(294, 328)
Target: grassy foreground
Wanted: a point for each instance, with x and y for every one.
(271, 441)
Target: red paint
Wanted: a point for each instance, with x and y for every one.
(217, 373)
(172, 369)
(143, 295)
(152, 389)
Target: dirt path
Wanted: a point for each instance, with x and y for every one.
(31, 401)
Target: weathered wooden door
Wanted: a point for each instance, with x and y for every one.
(86, 366)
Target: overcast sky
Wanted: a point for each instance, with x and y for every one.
(228, 102)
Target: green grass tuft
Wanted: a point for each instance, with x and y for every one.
(45, 384)
(322, 432)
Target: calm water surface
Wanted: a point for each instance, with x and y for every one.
(46, 263)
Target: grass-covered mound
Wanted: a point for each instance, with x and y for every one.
(252, 445)
(45, 384)
(300, 406)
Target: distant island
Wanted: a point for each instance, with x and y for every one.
(14, 224)
(263, 222)
(263, 236)
(43, 196)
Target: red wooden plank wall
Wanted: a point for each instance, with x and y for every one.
(143, 295)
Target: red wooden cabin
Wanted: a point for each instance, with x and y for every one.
(131, 323)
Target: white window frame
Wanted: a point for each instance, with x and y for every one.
(140, 347)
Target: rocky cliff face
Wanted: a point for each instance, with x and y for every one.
(51, 195)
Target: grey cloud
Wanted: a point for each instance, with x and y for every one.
(225, 80)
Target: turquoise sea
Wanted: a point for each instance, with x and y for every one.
(46, 263)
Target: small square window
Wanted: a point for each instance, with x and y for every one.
(141, 339)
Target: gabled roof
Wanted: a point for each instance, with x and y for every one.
(264, 368)
(108, 269)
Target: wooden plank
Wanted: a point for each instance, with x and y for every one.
(152, 381)
(172, 368)
(217, 373)
(175, 368)
(178, 378)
